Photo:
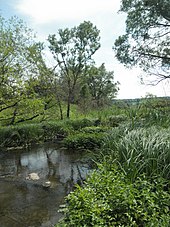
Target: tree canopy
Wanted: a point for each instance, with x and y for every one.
(20, 60)
(146, 42)
(101, 85)
(73, 50)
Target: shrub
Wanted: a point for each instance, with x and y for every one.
(81, 123)
(30, 133)
(20, 135)
(9, 137)
(94, 129)
(109, 199)
(84, 140)
(115, 120)
(54, 130)
(26, 134)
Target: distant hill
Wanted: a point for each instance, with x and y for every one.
(139, 100)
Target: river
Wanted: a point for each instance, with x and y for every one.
(29, 203)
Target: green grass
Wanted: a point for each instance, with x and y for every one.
(143, 150)
(27, 134)
(85, 141)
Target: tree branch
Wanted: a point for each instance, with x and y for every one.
(7, 107)
(156, 56)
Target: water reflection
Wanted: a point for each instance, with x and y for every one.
(28, 203)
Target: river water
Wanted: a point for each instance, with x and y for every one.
(28, 203)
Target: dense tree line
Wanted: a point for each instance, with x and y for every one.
(30, 89)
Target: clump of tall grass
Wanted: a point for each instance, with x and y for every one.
(143, 150)
(84, 141)
(78, 124)
(18, 135)
(27, 134)
(55, 129)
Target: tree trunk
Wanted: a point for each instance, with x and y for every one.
(68, 107)
(14, 116)
(60, 108)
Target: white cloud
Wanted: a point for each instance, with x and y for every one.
(46, 11)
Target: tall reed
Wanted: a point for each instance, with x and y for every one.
(143, 150)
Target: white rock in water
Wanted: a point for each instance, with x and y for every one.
(47, 184)
(33, 176)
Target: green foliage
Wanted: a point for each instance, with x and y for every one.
(155, 111)
(115, 120)
(56, 130)
(29, 133)
(101, 85)
(73, 50)
(84, 141)
(25, 134)
(145, 150)
(146, 41)
(145, 112)
(19, 51)
(20, 60)
(84, 101)
(105, 113)
(81, 123)
(109, 199)
(94, 129)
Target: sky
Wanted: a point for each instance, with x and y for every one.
(47, 16)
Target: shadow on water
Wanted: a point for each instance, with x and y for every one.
(27, 203)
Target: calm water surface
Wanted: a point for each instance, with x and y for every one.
(27, 203)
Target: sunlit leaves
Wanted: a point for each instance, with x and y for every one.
(20, 60)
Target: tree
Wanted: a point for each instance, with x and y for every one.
(85, 98)
(146, 42)
(101, 85)
(73, 50)
(20, 59)
(48, 88)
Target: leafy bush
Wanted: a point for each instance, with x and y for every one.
(7, 135)
(54, 130)
(94, 129)
(26, 134)
(30, 133)
(155, 111)
(81, 123)
(20, 135)
(109, 199)
(84, 140)
(115, 120)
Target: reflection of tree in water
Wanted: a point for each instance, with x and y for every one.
(52, 167)
(18, 165)
(64, 170)
(10, 166)
(75, 178)
(28, 201)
